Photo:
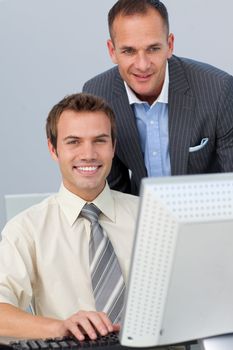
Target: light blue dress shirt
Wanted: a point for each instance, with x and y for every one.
(152, 123)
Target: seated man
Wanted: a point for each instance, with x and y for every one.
(48, 252)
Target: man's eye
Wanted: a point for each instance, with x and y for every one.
(128, 51)
(153, 49)
(71, 142)
(100, 141)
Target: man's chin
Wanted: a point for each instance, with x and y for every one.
(91, 186)
(141, 91)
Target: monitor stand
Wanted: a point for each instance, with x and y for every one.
(222, 342)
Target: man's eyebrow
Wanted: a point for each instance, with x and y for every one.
(71, 137)
(102, 135)
(127, 47)
(155, 44)
(78, 137)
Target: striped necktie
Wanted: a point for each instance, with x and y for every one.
(107, 279)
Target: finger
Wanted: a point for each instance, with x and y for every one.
(79, 324)
(86, 327)
(101, 322)
(74, 330)
(116, 327)
(107, 322)
(112, 327)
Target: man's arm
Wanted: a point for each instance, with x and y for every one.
(119, 179)
(20, 324)
(224, 128)
(17, 323)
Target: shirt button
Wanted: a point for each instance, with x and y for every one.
(154, 153)
(152, 122)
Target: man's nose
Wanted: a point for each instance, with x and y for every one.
(88, 151)
(142, 61)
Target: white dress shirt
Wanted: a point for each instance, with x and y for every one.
(44, 251)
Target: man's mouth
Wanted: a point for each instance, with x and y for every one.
(142, 77)
(87, 169)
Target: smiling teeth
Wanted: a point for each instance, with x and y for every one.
(87, 168)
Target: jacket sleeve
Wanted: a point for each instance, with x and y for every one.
(119, 177)
(224, 128)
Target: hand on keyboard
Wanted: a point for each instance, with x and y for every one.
(91, 323)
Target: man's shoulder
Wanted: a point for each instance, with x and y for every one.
(129, 201)
(192, 67)
(107, 76)
(34, 213)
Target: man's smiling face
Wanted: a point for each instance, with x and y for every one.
(141, 47)
(84, 151)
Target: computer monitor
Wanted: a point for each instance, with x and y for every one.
(181, 275)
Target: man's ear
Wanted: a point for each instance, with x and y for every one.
(111, 50)
(171, 39)
(114, 149)
(52, 151)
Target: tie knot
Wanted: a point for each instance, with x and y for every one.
(90, 212)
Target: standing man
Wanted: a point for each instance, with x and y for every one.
(174, 115)
(70, 254)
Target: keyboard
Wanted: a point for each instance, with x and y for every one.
(108, 342)
(66, 343)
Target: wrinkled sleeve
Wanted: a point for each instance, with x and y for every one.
(17, 273)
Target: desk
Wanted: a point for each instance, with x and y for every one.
(222, 342)
(6, 340)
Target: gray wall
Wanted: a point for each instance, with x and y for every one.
(50, 47)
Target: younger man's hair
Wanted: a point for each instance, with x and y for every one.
(80, 102)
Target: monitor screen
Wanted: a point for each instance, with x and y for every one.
(180, 284)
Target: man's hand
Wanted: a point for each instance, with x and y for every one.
(20, 324)
(90, 323)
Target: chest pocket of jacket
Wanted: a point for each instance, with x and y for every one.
(202, 159)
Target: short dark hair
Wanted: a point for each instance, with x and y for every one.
(131, 7)
(79, 102)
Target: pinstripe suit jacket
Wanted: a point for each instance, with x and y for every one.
(200, 105)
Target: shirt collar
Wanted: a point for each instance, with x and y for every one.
(72, 204)
(163, 96)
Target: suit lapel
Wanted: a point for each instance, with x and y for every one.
(180, 109)
(128, 146)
